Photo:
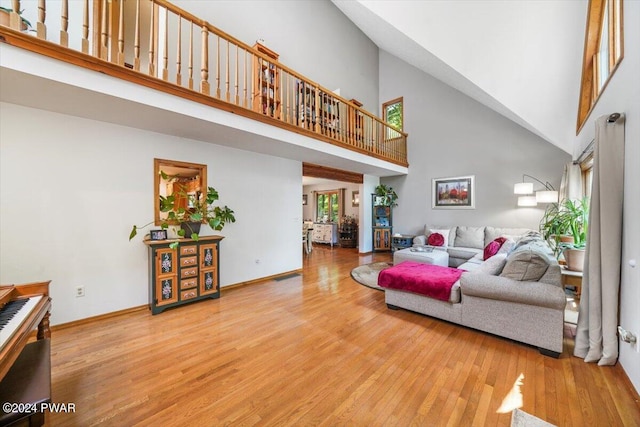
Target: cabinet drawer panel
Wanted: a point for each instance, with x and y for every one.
(185, 295)
(188, 249)
(188, 261)
(188, 283)
(188, 272)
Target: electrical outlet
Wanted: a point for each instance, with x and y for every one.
(80, 291)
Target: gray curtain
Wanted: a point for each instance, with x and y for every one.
(596, 339)
(571, 184)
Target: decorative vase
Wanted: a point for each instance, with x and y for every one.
(574, 258)
(190, 228)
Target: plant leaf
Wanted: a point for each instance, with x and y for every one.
(133, 233)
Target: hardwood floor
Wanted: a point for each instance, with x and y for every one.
(316, 349)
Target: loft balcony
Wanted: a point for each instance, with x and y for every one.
(157, 45)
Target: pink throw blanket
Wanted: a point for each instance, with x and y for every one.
(431, 280)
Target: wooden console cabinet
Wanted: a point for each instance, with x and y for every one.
(185, 274)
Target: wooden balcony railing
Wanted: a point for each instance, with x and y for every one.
(156, 44)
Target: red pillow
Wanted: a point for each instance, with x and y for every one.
(435, 239)
(493, 247)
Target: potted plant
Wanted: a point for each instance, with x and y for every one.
(200, 209)
(386, 196)
(569, 217)
(5, 18)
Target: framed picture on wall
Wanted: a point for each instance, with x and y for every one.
(453, 193)
(304, 200)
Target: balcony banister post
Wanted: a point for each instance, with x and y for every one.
(85, 27)
(15, 21)
(179, 53)
(120, 57)
(204, 71)
(64, 23)
(152, 39)
(41, 28)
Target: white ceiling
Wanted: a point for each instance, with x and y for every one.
(522, 58)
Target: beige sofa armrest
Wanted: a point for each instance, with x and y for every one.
(504, 289)
(420, 240)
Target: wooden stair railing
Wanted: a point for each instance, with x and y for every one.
(243, 79)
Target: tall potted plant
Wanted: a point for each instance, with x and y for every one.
(199, 210)
(569, 217)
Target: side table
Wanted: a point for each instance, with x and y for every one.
(401, 242)
(572, 278)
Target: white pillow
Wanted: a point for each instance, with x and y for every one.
(493, 265)
(445, 233)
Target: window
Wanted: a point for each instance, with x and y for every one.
(392, 114)
(327, 202)
(603, 51)
(587, 175)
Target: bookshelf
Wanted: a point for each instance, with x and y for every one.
(328, 109)
(266, 83)
(382, 225)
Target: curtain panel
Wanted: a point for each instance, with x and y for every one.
(596, 335)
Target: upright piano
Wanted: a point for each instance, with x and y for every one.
(25, 368)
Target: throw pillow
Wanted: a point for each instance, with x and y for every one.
(442, 231)
(507, 246)
(436, 239)
(493, 265)
(525, 265)
(493, 247)
(470, 237)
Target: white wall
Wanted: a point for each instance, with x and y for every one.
(509, 49)
(71, 189)
(622, 95)
(452, 135)
(312, 37)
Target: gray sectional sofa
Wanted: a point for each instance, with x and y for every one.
(516, 294)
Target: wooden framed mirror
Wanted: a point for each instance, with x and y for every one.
(187, 178)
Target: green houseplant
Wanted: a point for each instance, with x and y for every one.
(387, 196)
(569, 217)
(200, 210)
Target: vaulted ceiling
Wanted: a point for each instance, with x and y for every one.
(522, 59)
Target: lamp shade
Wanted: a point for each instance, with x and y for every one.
(527, 201)
(547, 196)
(523, 188)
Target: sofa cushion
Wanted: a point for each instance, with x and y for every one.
(493, 265)
(493, 247)
(463, 253)
(470, 237)
(525, 265)
(492, 233)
